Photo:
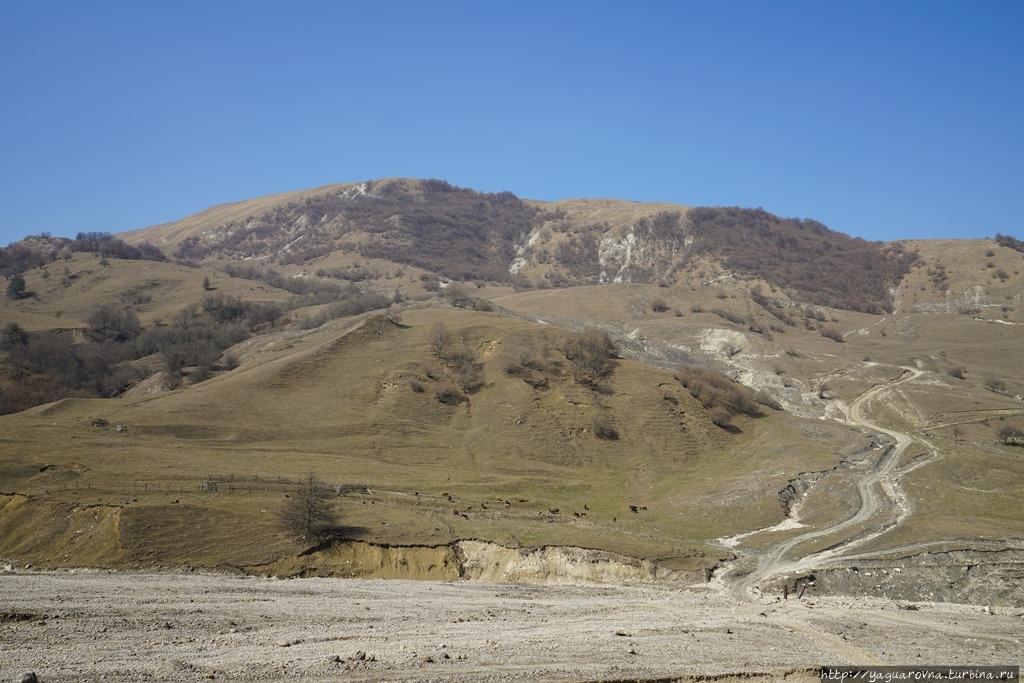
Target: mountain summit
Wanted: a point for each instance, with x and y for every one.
(461, 234)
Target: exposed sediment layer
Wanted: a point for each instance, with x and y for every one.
(475, 560)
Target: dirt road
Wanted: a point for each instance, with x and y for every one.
(90, 626)
(878, 490)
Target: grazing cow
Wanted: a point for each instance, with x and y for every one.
(633, 508)
(553, 511)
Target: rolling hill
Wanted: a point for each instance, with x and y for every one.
(433, 352)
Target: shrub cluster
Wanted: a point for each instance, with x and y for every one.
(105, 244)
(1009, 242)
(721, 396)
(579, 255)
(457, 232)
(344, 300)
(813, 263)
(1011, 435)
(48, 366)
(40, 250)
(592, 353)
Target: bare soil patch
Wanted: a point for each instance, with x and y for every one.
(88, 625)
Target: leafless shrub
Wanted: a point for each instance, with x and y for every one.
(767, 400)
(995, 384)
(604, 430)
(592, 352)
(449, 395)
(1011, 435)
(721, 416)
(715, 390)
(832, 333)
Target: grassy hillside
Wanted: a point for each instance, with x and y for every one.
(356, 401)
(227, 382)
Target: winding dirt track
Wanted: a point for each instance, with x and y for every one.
(878, 489)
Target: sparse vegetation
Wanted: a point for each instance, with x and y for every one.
(307, 513)
(804, 257)
(605, 430)
(440, 339)
(16, 286)
(995, 384)
(721, 396)
(387, 399)
(832, 333)
(592, 353)
(1011, 435)
(1009, 242)
(449, 395)
(47, 366)
(456, 232)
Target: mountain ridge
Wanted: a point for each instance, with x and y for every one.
(461, 234)
(630, 363)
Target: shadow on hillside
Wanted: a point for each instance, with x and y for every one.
(337, 534)
(345, 532)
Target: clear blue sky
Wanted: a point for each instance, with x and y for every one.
(887, 120)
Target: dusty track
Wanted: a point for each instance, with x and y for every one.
(879, 493)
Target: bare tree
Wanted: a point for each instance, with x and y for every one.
(108, 322)
(468, 372)
(307, 512)
(16, 286)
(592, 351)
(440, 339)
(1010, 435)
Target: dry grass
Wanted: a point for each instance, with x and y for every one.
(340, 401)
(155, 291)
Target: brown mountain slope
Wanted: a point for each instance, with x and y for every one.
(466, 235)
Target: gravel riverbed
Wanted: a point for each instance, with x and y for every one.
(96, 625)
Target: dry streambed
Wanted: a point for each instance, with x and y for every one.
(87, 626)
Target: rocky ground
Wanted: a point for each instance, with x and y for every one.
(92, 626)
